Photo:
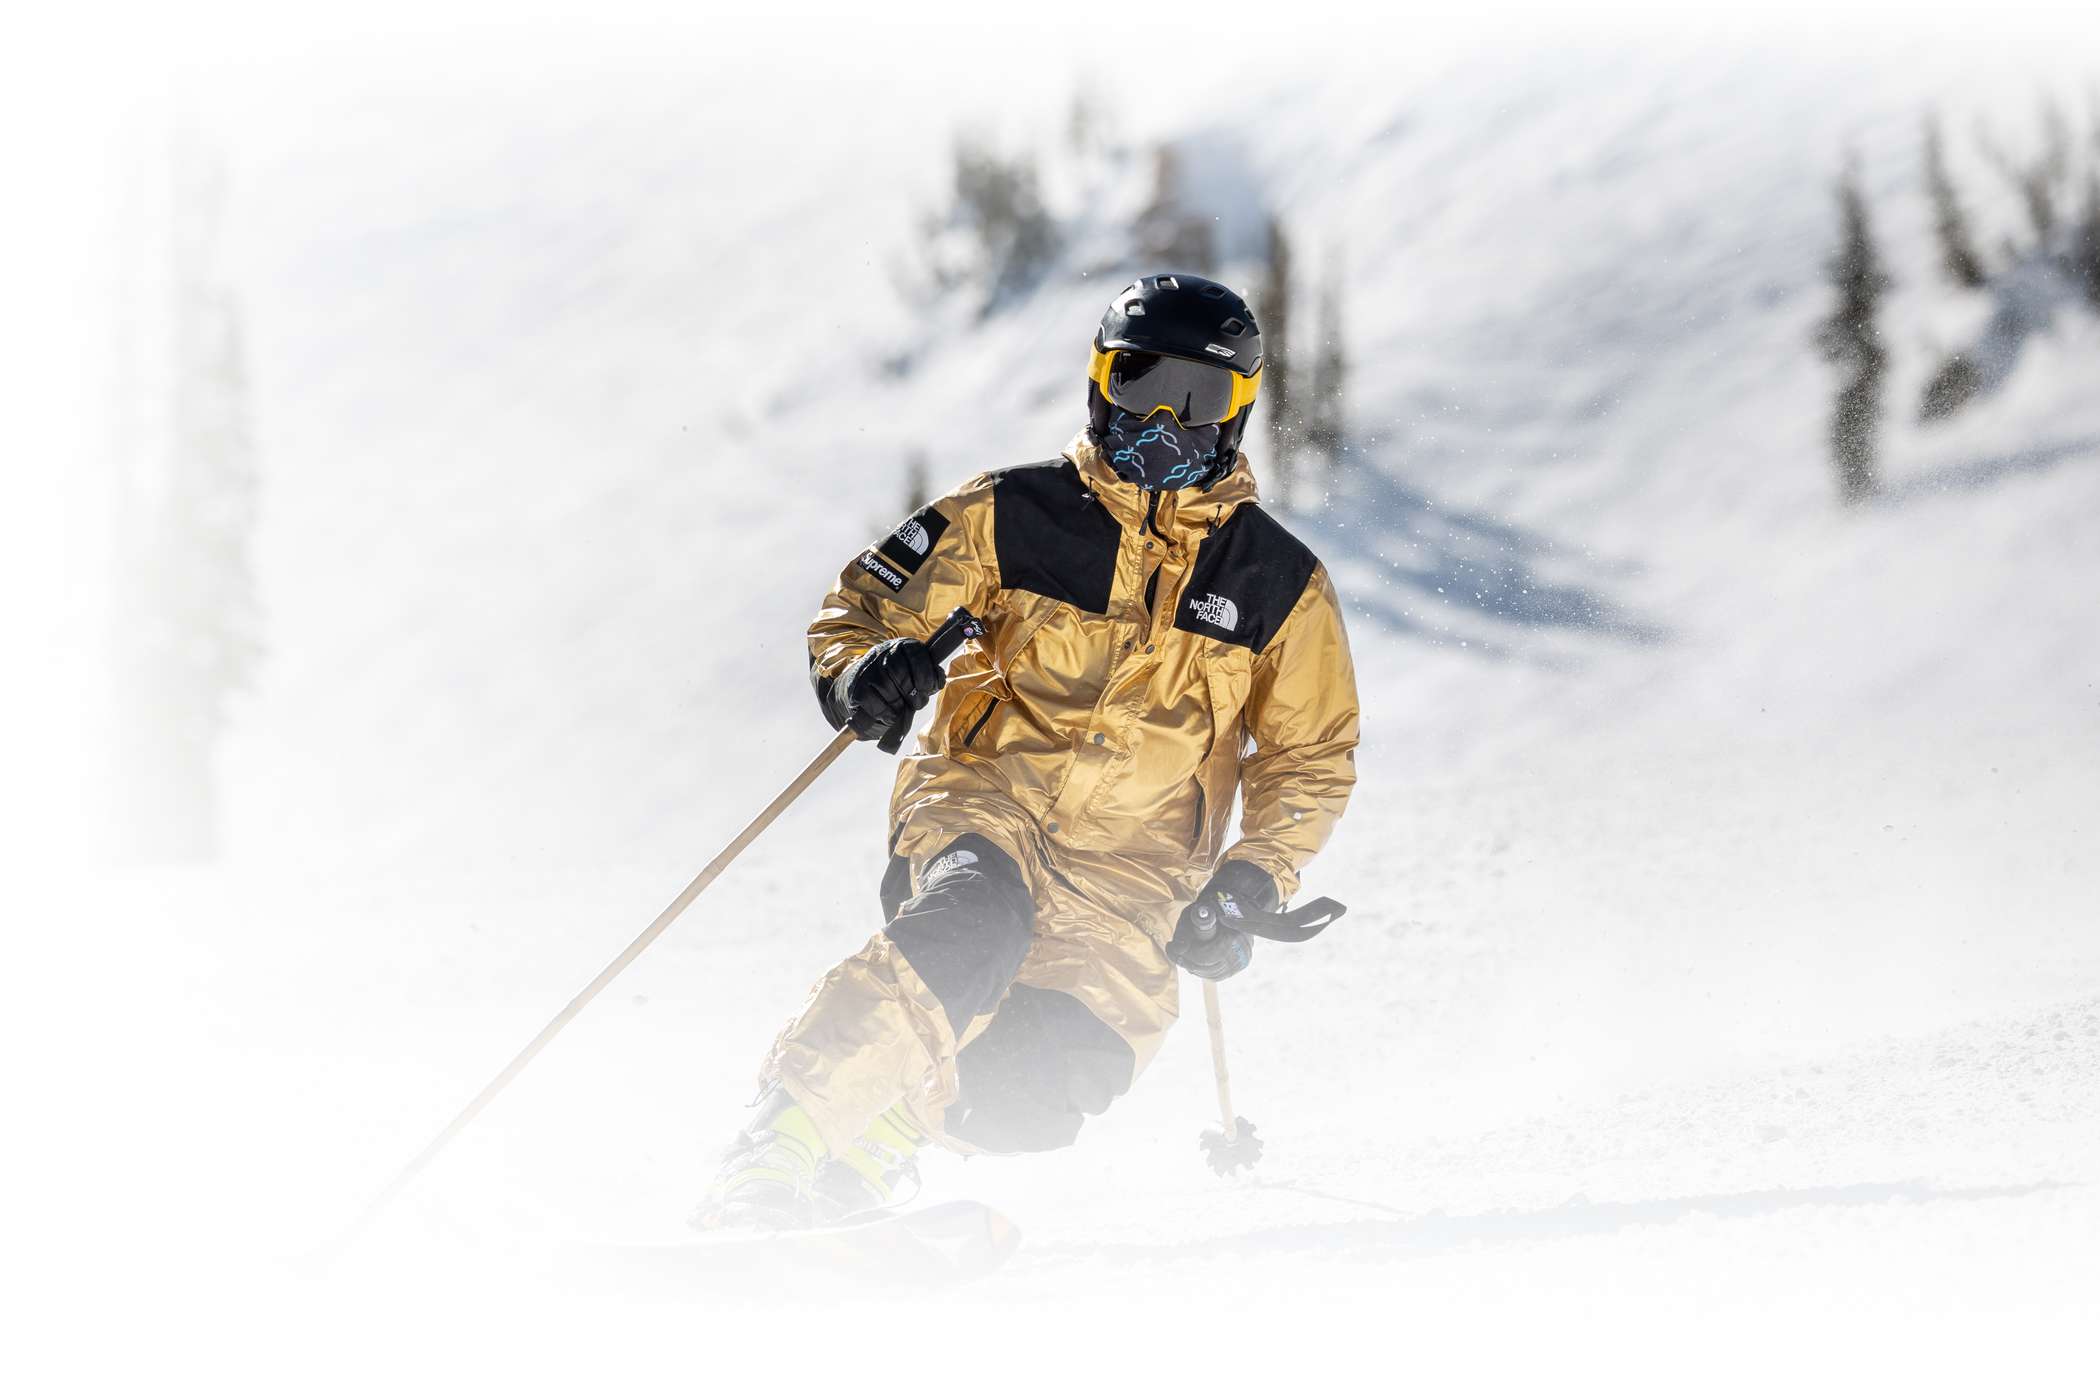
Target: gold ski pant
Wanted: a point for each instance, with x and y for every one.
(1016, 988)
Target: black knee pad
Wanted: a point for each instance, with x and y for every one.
(968, 927)
(1044, 1063)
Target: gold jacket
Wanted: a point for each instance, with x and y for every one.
(1138, 673)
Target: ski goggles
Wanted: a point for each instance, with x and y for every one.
(1140, 382)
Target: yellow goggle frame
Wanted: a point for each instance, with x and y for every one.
(1245, 387)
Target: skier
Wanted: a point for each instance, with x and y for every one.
(1146, 620)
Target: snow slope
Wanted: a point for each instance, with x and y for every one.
(1721, 996)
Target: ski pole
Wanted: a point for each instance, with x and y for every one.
(1233, 1145)
(1216, 1019)
(960, 627)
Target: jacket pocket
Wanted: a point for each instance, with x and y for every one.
(1228, 676)
(1010, 640)
(1228, 672)
(970, 735)
(970, 719)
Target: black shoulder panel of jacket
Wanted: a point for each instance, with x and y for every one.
(1249, 574)
(1052, 537)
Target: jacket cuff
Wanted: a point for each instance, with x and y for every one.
(1282, 879)
(1247, 881)
(829, 700)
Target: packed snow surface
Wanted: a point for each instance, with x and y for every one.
(1719, 1004)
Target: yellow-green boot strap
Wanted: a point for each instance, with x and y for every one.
(883, 1152)
(897, 1130)
(792, 1156)
(795, 1125)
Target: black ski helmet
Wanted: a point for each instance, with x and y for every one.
(1190, 317)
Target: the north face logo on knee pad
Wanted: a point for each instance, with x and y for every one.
(953, 860)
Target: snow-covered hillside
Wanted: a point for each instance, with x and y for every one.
(539, 374)
(1724, 955)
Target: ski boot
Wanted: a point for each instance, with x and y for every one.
(869, 1174)
(766, 1178)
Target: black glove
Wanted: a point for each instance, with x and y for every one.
(1214, 954)
(884, 687)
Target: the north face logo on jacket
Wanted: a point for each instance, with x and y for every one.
(1217, 610)
(911, 544)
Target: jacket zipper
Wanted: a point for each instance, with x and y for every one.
(1152, 628)
(1152, 579)
(982, 720)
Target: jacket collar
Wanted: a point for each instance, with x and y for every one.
(1180, 516)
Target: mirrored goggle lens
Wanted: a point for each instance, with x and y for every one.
(1196, 393)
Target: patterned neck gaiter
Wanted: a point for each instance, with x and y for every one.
(1158, 454)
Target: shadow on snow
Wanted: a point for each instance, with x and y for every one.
(1985, 472)
(1418, 567)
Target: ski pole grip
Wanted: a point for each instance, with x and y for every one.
(1301, 924)
(1292, 926)
(962, 625)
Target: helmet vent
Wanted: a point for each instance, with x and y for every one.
(1169, 283)
(1213, 291)
(1134, 308)
(1234, 326)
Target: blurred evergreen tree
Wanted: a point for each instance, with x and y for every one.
(1326, 412)
(1953, 384)
(1272, 312)
(1851, 339)
(2039, 182)
(186, 626)
(1950, 222)
(918, 487)
(998, 204)
(1170, 237)
(1086, 123)
(2085, 238)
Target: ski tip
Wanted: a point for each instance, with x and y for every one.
(1002, 1237)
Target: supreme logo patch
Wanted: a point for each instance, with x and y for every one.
(910, 544)
(885, 575)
